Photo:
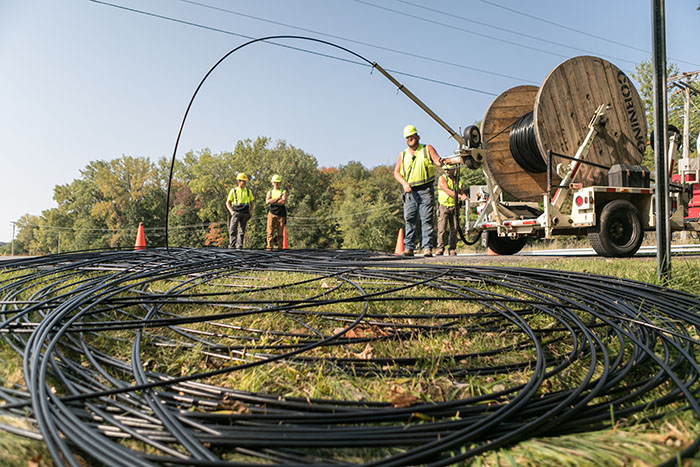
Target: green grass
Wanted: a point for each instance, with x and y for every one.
(634, 442)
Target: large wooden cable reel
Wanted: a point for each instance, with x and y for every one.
(561, 111)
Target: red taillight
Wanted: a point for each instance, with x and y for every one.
(579, 200)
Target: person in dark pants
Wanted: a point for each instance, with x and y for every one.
(239, 203)
(415, 172)
(447, 211)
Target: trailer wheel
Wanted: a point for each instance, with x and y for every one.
(618, 232)
(504, 245)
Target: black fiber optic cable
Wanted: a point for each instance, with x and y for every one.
(101, 332)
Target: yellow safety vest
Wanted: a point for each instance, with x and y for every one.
(417, 169)
(443, 198)
(276, 193)
(277, 209)
(239, 198)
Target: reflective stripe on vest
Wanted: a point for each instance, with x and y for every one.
(443, 198)
(240, 199)
(417, 168)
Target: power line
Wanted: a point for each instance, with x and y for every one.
(388, 49)
(577, 30)
(299, 49)
(498, 28)
(457, 28)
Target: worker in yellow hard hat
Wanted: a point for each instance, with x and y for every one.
(276, 200)
(239, 203)
(415, 172)
(447, 211)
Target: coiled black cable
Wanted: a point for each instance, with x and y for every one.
(523, 145)
(97, 330)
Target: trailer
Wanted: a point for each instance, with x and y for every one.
(613, 216)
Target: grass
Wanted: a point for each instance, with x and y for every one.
(636, 442)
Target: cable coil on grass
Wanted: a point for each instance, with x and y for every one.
(214, 357)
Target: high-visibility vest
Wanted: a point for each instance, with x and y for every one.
(277, 209)
(240, 198)
(443, 198)
(417, 168)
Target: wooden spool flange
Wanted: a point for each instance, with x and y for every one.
(562, 109)
(495, 132)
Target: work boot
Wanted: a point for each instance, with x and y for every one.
(439, 251)
(407, 253)
(427, 252)
(453, 252)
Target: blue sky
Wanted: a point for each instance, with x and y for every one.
(81, 81)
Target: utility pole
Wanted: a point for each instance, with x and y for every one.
(663, 222)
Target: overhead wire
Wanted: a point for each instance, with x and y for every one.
(511, 31)
(457, 28)
(569, 28)
(355, 41)
(312, 52)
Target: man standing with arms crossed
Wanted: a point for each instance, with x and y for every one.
(239, 203)
(276, 200)
(415, 172)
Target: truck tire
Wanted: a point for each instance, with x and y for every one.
(504, 245)
(618, 232)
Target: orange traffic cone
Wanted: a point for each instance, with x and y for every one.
(285, 244)
(140, 239)
(399, 243)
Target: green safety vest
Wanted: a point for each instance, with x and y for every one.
(240, 199)
(417, 169)
(443, 198)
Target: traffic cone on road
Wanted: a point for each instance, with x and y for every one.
(285, 244)
(140, 243)
(399, 243)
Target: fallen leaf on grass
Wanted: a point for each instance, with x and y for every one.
(367, 353)
(399, 397)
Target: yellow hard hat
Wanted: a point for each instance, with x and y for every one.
(242, 176)
(409, 130)
(276, 178)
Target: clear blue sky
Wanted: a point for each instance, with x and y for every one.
(81, 81)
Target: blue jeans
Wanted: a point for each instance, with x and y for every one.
(415, 203)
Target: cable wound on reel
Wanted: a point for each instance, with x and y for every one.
(555, 117)
(523, 145)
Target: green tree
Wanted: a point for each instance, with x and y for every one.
(211, 176)
(369, 207)
(644, 76)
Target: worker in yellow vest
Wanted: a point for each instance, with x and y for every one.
(447, 211)
(276, 200)
(414, 171)
(239, 203)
